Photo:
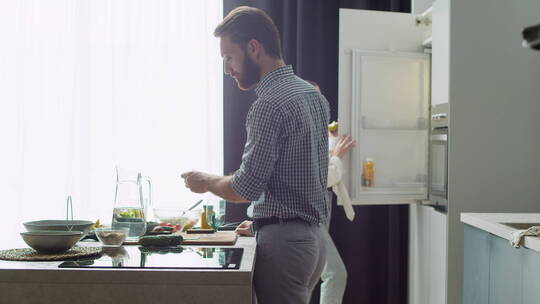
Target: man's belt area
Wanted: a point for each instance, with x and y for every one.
(261, 222)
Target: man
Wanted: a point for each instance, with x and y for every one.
(285, 161)
(334, 274)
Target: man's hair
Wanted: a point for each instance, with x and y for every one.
(245, 23)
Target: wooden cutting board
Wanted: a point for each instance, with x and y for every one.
(216, 238)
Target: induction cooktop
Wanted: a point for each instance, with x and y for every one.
(180, 257)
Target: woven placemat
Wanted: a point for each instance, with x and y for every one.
(29, 254)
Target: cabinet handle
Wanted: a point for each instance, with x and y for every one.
(438, 116)
(439, 137)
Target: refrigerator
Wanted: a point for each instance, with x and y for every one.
(386, 91)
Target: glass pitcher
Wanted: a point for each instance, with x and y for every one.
(214, 211)
(131, 202)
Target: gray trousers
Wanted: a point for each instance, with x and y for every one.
(289, 262)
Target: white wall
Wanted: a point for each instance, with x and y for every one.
(419, 6)
(494, 140)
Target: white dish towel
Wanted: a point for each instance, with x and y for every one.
(517, 236)
(335, 172)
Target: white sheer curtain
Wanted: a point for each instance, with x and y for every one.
(87, 85)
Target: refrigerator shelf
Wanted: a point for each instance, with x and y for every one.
(391, 192)
(408, 129)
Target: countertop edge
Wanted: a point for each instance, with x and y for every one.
(26, 272)
(494, 224)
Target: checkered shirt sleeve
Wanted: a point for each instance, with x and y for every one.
(261, 151)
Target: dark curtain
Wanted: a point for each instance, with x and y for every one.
(375, 246)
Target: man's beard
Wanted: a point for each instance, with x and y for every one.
(251, 74)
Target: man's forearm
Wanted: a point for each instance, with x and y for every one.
(222, 187)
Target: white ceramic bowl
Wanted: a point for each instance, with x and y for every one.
(49, 241)
(59, 225)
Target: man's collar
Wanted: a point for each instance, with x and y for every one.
(274, 76)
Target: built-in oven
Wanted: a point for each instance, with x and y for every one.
(438, 158)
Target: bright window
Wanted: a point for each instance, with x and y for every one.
(87, 85)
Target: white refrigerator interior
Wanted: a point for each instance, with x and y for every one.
(384, 90)
(389, 120)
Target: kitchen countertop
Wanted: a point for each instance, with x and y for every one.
(494, 223)
(33, 282)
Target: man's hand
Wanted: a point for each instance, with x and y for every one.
(200, 182)
(244, 228)
(196, 181)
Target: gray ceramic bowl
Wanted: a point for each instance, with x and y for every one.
(59, 225)
(49, 241)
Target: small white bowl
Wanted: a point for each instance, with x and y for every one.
(112, 237)
(50, 241)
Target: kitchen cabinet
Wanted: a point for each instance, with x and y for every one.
(531, 276)
(497, 273)
(476, 266)
(427, 255)
(44, 282)
(440, 37)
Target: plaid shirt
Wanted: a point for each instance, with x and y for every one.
(285, 162)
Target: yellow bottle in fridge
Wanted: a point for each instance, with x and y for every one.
(368, 175)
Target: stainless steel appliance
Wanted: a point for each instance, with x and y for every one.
(438, 157)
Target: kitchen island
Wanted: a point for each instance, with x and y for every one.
(494, 271)
(45, 282)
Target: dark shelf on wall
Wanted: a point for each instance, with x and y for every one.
(531, 37)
